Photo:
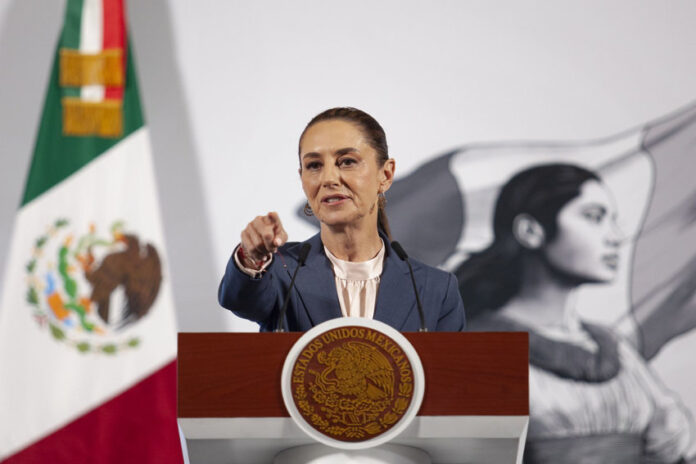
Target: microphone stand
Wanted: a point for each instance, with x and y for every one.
(302, 257)
(396, 246)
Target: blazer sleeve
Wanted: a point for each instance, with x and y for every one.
(452, 318)
(247, 297)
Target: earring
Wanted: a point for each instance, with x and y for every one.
(308, 209)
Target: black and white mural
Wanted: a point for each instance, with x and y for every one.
(591, 247)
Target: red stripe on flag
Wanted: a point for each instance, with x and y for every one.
(114, 37)
(138, 425)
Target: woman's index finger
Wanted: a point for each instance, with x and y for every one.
(273, 216)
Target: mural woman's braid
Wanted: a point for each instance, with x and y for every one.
(375, 136)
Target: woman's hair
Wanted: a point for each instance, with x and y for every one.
(375, 136)
(490, 278)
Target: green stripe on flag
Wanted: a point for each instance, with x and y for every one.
(70, 38)
(57, 156)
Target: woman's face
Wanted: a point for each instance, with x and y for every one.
(586, 245)
(340, 173)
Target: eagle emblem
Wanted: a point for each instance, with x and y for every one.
(356, 385)
(87, 289)
(352, 384)
(136, 269)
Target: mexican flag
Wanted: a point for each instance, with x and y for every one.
(87, 322)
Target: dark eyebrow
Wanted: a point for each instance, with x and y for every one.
(344, 151)
(341, 152)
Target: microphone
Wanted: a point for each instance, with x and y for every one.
(301, 258)
(396, 246)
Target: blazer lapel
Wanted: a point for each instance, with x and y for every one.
(395, 299)
(316, 285)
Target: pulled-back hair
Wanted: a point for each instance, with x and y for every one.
(373, 133)
(490, 278)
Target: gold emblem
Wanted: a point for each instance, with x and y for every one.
(352, 383)
(82, 118)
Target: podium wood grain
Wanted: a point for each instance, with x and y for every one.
(238, 374)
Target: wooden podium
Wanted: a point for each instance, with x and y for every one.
(475, 408)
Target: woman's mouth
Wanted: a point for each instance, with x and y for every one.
(334, 199)
(611, 261)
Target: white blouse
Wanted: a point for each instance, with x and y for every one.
(632, 402)
(357, 284)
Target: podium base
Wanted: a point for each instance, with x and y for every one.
(322, 454)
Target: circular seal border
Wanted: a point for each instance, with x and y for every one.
(405, 345)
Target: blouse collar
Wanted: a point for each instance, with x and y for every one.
(363, 270)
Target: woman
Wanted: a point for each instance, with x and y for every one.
(351, 269)
(592, 398)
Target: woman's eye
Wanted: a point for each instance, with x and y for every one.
(594, 216)
(346, 162)
(313, 165)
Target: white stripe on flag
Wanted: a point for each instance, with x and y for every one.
(91, 41)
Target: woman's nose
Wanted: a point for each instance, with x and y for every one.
(616, 236)
(329, 176)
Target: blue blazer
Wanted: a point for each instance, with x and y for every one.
(315, 299)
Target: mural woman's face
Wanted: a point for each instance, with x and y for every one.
(586, 245)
